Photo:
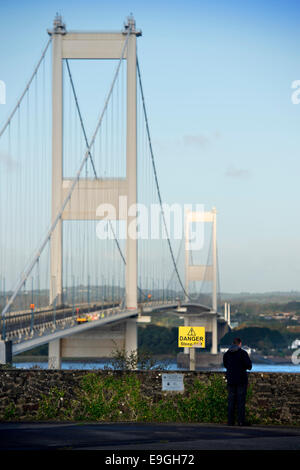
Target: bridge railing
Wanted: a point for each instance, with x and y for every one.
(20, 326)
(156, 303)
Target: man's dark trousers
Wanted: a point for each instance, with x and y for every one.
(236, 398)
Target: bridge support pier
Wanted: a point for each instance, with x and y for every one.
(214, 328)
(131, 336)
(54, 354)
(5, 352)
(95, 343)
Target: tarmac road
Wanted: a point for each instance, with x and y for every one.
(144, 436)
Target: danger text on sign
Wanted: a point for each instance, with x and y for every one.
(191, 336)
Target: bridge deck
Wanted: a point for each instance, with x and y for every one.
(27, 331)
(109, 316)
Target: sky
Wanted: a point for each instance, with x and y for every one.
(217, 79)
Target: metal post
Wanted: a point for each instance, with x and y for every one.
(32, 320)
(192, 358)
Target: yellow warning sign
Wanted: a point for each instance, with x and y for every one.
(191, 336)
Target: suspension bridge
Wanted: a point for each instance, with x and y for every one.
(79, 268)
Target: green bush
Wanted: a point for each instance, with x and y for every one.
(53, 405)
(204, 403)
(109, 398)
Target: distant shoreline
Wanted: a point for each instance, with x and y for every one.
(100, 360)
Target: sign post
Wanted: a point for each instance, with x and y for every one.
(191, 337)
(192, 358)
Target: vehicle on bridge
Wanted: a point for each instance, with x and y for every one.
(85, 317)
(81, 319)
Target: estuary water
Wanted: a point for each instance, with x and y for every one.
(171, 366)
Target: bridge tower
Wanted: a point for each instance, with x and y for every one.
(76, 45)
(94, 45)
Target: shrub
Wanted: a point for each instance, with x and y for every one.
(53, 405)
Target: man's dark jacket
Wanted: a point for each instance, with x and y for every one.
(236, 361)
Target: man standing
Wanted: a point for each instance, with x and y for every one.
(237, 361)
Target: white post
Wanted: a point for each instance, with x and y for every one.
(131, 168)
(228, 314)
(214, 256)
(225, 311)
(57, 155)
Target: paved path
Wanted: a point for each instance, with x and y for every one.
(126, 436)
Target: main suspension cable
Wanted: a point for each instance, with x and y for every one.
(80, 116)
(26, 89)
(157, 183)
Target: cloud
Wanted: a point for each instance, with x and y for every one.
(237, 173)
(200, 140)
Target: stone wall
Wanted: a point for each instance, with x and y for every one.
(275, 397)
